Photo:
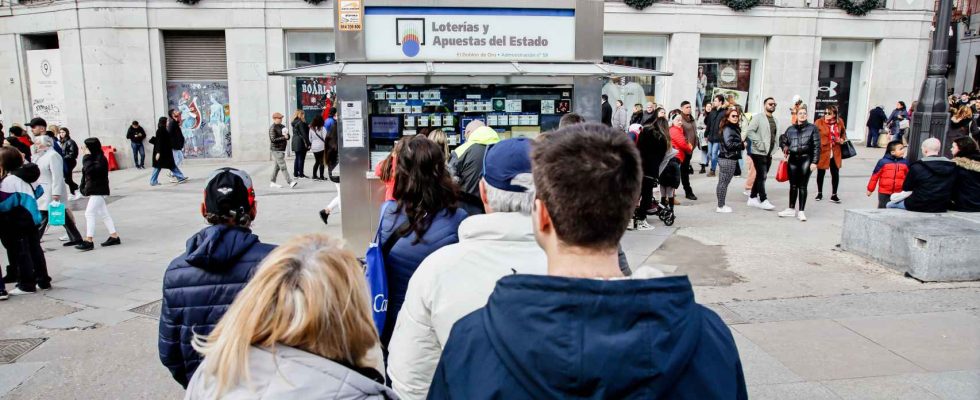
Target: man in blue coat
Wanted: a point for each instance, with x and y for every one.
(200, 284)
(585, 331)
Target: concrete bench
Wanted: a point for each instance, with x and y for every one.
(929, 247)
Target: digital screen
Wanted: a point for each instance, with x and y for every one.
(549, 122)
(386, 127)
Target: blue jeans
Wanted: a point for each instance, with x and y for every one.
(178, 157)
(156, 175)
(713, 150)
(139, 156)
(899, 205)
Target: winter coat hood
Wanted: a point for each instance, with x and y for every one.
(969, 163)
(484, 135)
(600, 338)
(219, 247)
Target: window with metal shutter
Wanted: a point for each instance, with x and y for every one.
(195, 55)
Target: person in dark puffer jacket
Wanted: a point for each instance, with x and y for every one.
(966, 190)
(201, 284)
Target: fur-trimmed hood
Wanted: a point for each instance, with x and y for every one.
(970, 163)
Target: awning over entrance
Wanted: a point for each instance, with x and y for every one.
(435, 68)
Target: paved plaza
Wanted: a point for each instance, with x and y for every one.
(811, 321)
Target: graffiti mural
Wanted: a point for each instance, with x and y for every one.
(204, 117)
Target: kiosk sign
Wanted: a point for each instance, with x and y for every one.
(469, 34)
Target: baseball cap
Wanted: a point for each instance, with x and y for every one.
(228, 189)
(504, 161)
(37, 121)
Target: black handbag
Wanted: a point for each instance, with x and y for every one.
(847, 150)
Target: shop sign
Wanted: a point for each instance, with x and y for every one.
(350, 17)
(834, 87)
(469, 34)
(47, 88)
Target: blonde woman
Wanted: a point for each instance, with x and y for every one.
(300, 329)
(439, 137)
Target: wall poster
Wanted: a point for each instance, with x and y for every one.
(315, 96)
(731, 75)
(834, 87)
(47, 89)
(205, 117)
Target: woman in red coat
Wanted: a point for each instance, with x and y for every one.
(833, 133)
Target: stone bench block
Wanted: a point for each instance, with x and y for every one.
(929, 247)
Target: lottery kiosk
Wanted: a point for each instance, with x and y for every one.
(406, 68)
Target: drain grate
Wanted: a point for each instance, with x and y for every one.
(12, 349)
(151, 309)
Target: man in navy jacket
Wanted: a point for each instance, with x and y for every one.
(584, 330)
(201, 284)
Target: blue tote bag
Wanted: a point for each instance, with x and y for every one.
(377, 275)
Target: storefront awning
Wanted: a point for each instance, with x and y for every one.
(434, 68)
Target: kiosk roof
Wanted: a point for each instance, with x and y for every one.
(436, 68)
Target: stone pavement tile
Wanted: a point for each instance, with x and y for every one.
(823, 350)
(100, 300)
(76, 283)
(64, 322)
(103, 316)
(144, 296)
(935, 341)
(12, 375)
(953, 385)
(642, 244)
(802, 390)
(879, 388)
(858, 305)
(730, 317)
(761, 368)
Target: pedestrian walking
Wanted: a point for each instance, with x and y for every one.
(278, 137)
(70, 160)
(801, 149)
(163, 155)
(584, 330)
(653, 144)
(95, 185)
(300, 329)
(216, 264)
(833, 133)
(332, 145)
(424, 217)
(730, 151)
(876, 123)
(52, 183)
(136, 135)
(713, 122)
(761, 135)
(318, 143)
(18, 231)
(898, 121)
(607, 111)
(691, 136)
(300, 143)
(333, 207)
(176, 139)
(889, 173)
(620, 117)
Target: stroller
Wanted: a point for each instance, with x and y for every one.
(670, 179)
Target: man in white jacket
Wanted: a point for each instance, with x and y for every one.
(457, 279)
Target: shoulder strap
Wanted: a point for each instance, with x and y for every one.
(395, 235)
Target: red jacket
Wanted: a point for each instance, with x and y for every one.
(889, 175)
(679, 141)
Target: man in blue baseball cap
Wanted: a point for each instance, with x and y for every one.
(457, 279)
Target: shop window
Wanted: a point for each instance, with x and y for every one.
(313, 95)
(641, 51)
(727, 66)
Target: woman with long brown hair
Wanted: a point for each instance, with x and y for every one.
(729, 154)
(653, 144)
(424, 218)
(300, 329)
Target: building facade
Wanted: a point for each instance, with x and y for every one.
(97, 65)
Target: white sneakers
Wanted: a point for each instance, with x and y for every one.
(762, 205)
(801, 216)
(789, 212)
(293, 184)
(723, 210)
(275, 185)
(643, 226)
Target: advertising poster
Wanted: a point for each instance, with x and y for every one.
(205, 118)
(740, 97)
(834, 87)
(315, 96)
(47, 89)
(731, 75)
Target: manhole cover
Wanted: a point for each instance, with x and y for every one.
(11, 349)
(151, 309)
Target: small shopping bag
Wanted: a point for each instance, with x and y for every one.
(56, 214)
(782, 173)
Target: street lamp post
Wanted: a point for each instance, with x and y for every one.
(932, 113)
